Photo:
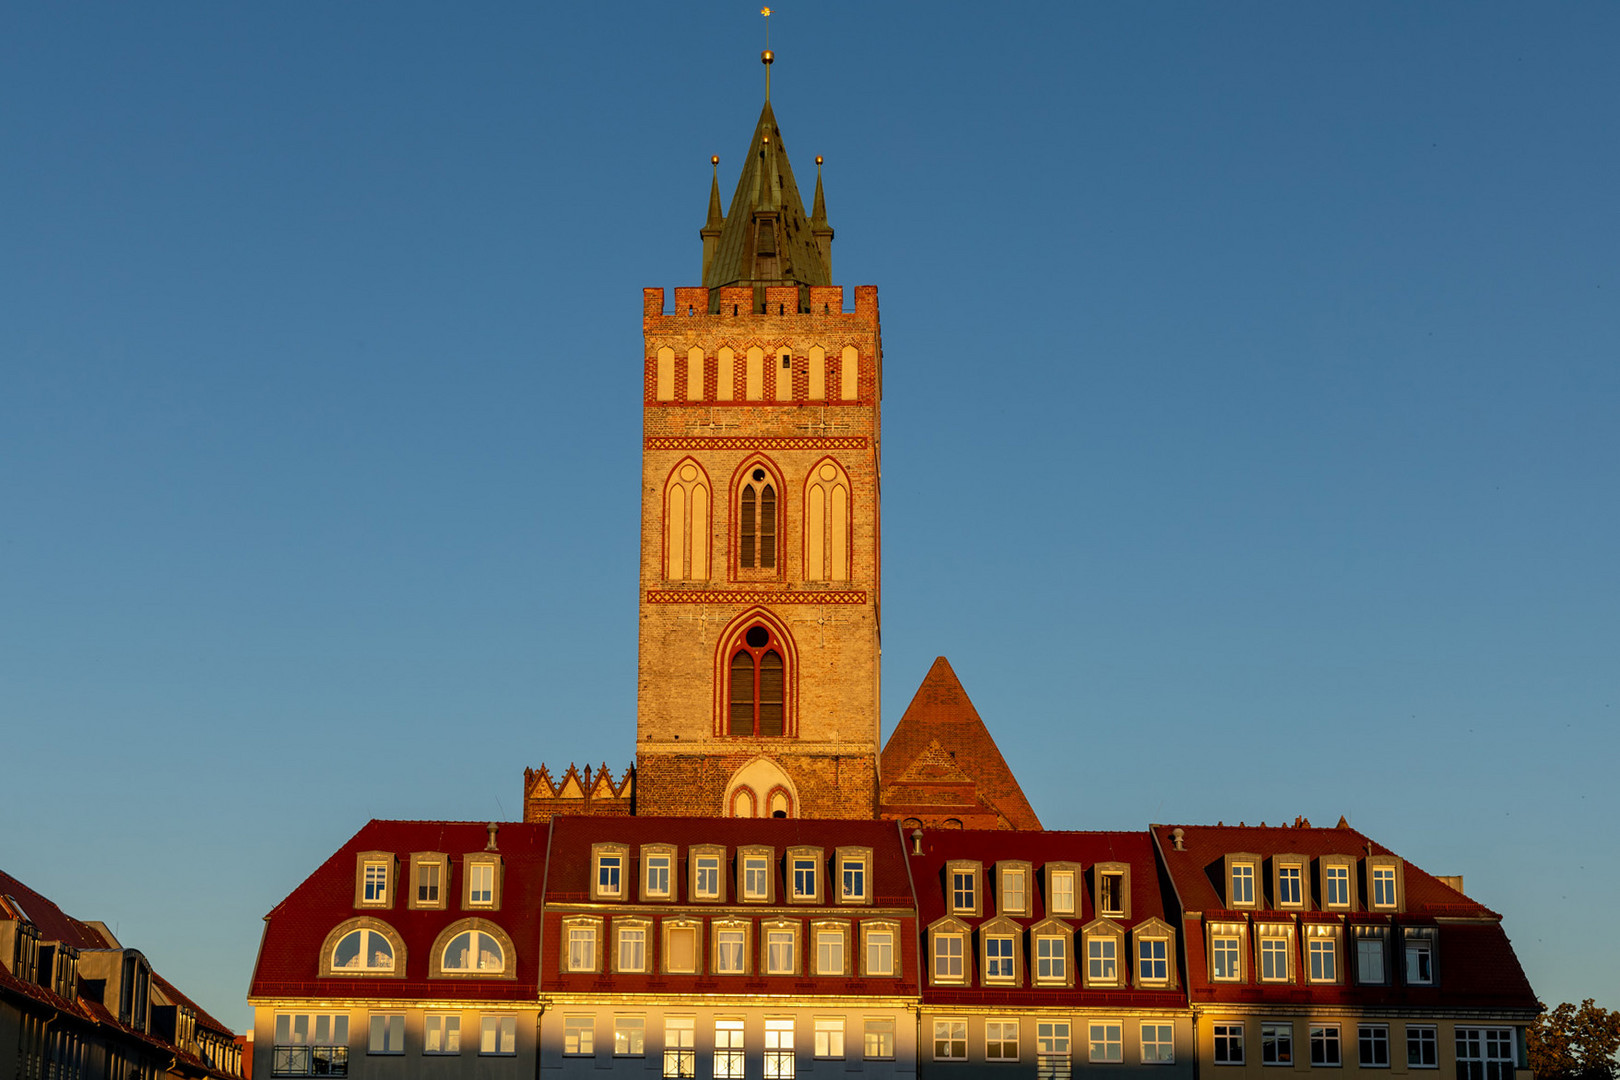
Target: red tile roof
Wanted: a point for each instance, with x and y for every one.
(54, 924)
(289, 955)
(1039, 848)
(941, 713)
(1474, 962)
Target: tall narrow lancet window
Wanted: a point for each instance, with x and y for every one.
(756, 522)
(686, 524)
(827, 524)
(756, 701)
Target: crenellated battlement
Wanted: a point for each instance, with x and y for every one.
(578, 792)
(768, 345)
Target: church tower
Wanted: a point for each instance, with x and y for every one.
(759, 635)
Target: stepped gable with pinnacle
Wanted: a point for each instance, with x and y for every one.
(942, 768)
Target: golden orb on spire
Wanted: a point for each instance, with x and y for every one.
(767, 57)
(818, 159)
(714, 159)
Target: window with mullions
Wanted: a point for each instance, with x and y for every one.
(779, 1050)
(1289, 879)
(1158, 1044)
(1152, 960)
(1336, 886)
(1325, 1044)
(757, 684)
(1422, 1047)
(1276, 1044)
(1107, 1040)
(1374, 1045)
(804, 877)
(363, 950)
(1485, 1054)
(728, 1049)
(998, 958)
(1001, 1040)
(756, 521)
(1052, 1050)
(680, 1047)
(950, 1040)
(1228, 1044)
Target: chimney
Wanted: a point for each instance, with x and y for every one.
(493, 828)
(916, 841)
(1175, 839)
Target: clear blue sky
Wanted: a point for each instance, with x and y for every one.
(1271, 347)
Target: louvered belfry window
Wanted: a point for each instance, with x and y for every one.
(757, 686)
(756, 535)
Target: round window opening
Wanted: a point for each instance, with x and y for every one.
(757, 637)
(759, 474)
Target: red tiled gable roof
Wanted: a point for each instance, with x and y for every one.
(53, 923)
(568, 892)
(1086, 849)
(204, 1020)
(941, 713)
(289, 959)
(1474, 963)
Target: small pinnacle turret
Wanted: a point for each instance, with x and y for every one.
(716, 219)
(819, 228)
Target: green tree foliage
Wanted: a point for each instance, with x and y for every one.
(1575, 1043)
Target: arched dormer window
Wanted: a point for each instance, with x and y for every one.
(757, 697)
(363, 947)
(686, 523)
(827, 523)
(473, 950)
(756, 521)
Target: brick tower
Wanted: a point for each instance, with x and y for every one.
(758, 661)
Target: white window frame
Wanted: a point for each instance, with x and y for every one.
(730, 1048)
(949, 951)
(1370, 1038)
(659, 877)
(1226, 952)
(1102, 960)
(828, 1038)
(1338, 884)
(1240, 884)
(387, 1034)
(1290, 885)
(583, 940)
(634, 937)
(1105, 1041)
(1274, 949)
(1277, 1044)
(1000, 968)
(1318, 947)
(1370, 941)
(882, 1029)
(827, 936)
(754, 870)
(629, 1036)
(731, 937)
(579, 1035)
(1326, 1041)
(1163, 1043)
(878, 942)
(781, 949)
(610, 863)
(781, 1051)
(952, 1033)
(706, 876)
(858, 861)
(1159, 974)
(1424, 1037)
(1228, 1044)
(439, 1030)
(374, 883)
(1001, 1033)
(1061, 891)
(481, 877)
(680, 1048)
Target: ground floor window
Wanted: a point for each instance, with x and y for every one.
(1276, 1044)
(778, 1050)
(1373, 1040)
(629, 1036)
(1001, 1040)
(579, 1035)
(387, 1034)
(728, 1049)
(830, 1037)
(1422, 1047)
(880, 1038)
(680, 1047)
(1485, 1054)
(497, 1035)
(1325, 1044)
(1052, 1050)
(1228, 1044)
(1158, 1044)
(950, 1040)
(441, 1034)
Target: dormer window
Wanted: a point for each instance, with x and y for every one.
(962, 881)
(1060, 893)
(1113, 890)
(1338, 881)
(374, 880)
(608, 862)
(1240, 880)
(1420, 956)
(854, 866)
(1370, 956)
(704, 868)
(657, 872)
(754, 874)
(429, 878)
(1013, 881)
(1290, 885)
(1383, 883)
(805, 869)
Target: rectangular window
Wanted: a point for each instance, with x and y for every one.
(804, 878)
(756, 880)
(879, 952)
(998, 958)
(1224, 957)
(778, 1050)
(1288, 886)
(1419, 961)
(629, 1036)
(728, 1049)
(1014, 893)
(632, 948)
(948, 957)
(1485, 1054)
(1274, 959)
(1107, 1041)
(854, 879)
(1052, 959)
(1370, 960)
(1324, 960)
(1001, 1040)
(707, 886)
(1111, 893)
(680, 955)
(441, 1034)
(481, 884)
(609, 875)
(950, 1040)
(879, 1039)
(311, 1044)
(498, 1035)
(829, 1037)
(728, 952)
(1276, 1044)
(1052, 1050)
(1158, 1044)
(1152, 960)
(1101, 963)
(1228, 1044)
(658, 875)
(779, 952)
(1242, 885)
(1337, 884)
(1422, 1047)
(376, 883)
(1383, 881)
(1063, 892)
(680, 1048)
(581, 948)
(829, 952)
(427, 882)
(579, 1036)
(387, 1034)
(1325, 1045)
(1373, 1040)
(964, 891)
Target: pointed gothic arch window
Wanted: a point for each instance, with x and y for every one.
(827, 523)
(687, 500)
(756, 521)
(756, 696)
